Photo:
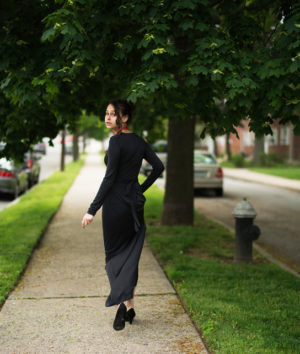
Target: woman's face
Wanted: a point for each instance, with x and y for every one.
(111, 118)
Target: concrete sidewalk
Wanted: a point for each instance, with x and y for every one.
(251, 176)
(58, 305)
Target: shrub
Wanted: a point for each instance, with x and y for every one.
(270, 159)
(238, 160)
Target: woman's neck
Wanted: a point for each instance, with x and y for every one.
(124, 128)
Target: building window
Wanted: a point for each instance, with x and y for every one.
(273, 139)
(248, 138)
(284, 136)
(221, 140)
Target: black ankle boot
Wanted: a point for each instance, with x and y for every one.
(119, 322)
(130, 315)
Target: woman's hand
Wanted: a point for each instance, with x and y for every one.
(87, 219)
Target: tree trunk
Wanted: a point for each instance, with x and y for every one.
(178, 208)
(228, 150)
(291, 143)
(84, 142)
(216, 151)
(75, 146)
(62, 156)
(258, 149)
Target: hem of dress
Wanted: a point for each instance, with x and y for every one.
(124, 298)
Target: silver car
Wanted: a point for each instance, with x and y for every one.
(13, 177)
(208, 174)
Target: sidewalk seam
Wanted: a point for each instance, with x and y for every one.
(84, 296)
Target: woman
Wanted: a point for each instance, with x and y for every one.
(122, 199)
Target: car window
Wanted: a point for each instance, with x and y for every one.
(204, 158)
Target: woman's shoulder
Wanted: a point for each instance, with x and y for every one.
(114, 142)
(131, 135)
(123, 138)
(140, 139)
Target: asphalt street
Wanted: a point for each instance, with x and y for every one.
(277, 210)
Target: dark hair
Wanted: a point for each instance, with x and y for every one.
(124, 107)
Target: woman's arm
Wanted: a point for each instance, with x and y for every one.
(113, 155)
(157, 167)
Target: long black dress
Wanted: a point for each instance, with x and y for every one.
(123, 211)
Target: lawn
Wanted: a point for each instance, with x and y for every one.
(239, 308)
(23, 224)
(285, 171)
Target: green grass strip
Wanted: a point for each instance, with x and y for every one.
(239, 308)
(23, 223)
(284, 171)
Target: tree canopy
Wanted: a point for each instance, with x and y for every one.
(220, 61)
(60, 57)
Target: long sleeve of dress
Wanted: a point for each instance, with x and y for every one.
(157, 168)
(113, 155)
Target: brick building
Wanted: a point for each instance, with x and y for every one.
(283, 142)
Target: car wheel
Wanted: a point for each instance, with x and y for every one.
(219, 192)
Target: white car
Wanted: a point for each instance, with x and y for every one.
(208, 174)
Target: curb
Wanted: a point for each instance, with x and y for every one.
(261, 250)
(278, 182)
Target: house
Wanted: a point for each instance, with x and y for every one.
(283, 142)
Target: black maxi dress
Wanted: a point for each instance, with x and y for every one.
(123, 211)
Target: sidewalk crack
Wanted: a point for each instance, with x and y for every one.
(84, 296)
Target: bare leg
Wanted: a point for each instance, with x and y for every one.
(130, 303)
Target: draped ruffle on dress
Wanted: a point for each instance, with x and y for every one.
(123, 201)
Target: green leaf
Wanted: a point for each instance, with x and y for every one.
(159, 51)
(48, 35)
(52, 88)
(192, 81)
(21, 42)
(218, 71)
(187, 24)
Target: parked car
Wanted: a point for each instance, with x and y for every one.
(40, 147)
(32, 168)
(208, 174)
(13, 177)
(69, 144)
(161, 149)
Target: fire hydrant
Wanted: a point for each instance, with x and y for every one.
(245, 231)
